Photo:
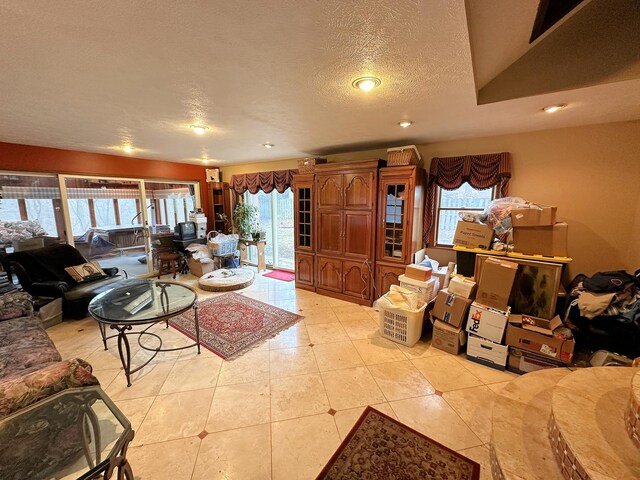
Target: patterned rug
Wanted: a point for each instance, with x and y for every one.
(232, 324)
(379, 447)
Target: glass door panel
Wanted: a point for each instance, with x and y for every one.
(394, 212)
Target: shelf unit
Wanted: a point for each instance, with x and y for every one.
(220, 201)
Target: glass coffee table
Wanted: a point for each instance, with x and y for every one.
(77, 433)
(139, 302)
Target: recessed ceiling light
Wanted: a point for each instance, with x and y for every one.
(554, 108)
(366, 84)
(405, 123)
(199, 129)
(128, 149)
(268, 145)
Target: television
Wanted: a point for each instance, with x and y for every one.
(185, 231)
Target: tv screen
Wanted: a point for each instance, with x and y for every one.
(186, 230)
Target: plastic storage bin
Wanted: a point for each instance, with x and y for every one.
(400, 325)
(222, 244)
(426, 291)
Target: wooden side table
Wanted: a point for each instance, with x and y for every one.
(261, 246)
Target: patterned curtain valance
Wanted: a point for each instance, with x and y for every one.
(279, 180)
(481, 171)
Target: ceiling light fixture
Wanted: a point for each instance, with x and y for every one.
(405, 123)
(128, 149)
(268, 145)
(199, 129)
(554, 108)
(366, 84)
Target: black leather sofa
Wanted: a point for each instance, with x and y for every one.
(41, 273)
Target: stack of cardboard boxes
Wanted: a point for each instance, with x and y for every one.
(536, 232)
(449, 314)
(419, 279)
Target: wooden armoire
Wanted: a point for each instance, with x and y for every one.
(346, 216)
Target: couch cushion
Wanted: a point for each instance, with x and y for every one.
(15, 304)
(24, 344)
(90, 289)
(48, 263)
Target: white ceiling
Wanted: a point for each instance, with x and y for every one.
(95, 75)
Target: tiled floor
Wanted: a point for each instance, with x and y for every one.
(281, 410)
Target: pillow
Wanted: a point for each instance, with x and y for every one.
(86, 272)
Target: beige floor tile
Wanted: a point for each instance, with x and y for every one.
(445, 373)
(176, 415)
(135, 410)
(145, 383)
(298, 396)
(497, 387)
(432, 416)
(421, 349)
(346, 419)
(336, 302)
(326, 333)
(241, 405)
(352, 387)
(107, 359)
(286, 362)
(294, 336)
(474, 405)
(487, 375)
(105, 377)
(318, 315)
(378, 350)
(302, 446)
(351, 313)
(334, 356)
(174, 460)
(399, 380)
(240, 454)
(196, 374)
(252, 366)
(363, 328)
(481, 456)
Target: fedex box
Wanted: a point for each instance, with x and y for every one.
(487, 322)
(447, 337)
(486, 352)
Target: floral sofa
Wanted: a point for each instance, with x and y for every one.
(30, 366)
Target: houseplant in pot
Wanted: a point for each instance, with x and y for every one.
(244, 219)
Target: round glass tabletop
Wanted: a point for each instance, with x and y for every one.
(139, 301)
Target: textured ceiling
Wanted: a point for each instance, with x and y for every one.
(95, 75)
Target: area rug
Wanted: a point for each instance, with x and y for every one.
(232, 324)
(281, 275)
(379, 447)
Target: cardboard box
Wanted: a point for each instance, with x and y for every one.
(487, 322)
(462, 286)
(418, 272)
(448, 338)
(199, 268)
(523, 361)
(536, 335)
(496, 281)
(426, 290)
(473, 235)
(486, 352)
(450, 308)
(532, 217)
(549, 241)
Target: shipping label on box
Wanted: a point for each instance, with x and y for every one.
(486, 352)
(418, 272)
(448, 338)
(496, 282)
(536, 335)
(523, 361)
(462, 286)
(473, 235)
(487, 322)
(535, 216)
(450, 308)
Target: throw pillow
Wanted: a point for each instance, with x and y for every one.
(86, 272)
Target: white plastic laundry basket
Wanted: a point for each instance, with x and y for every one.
(400, 325)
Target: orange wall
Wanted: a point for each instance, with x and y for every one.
(26, 158)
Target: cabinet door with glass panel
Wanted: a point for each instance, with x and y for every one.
(303, 204)
(395, 204)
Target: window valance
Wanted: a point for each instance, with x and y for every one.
(481, 171)
(279, 180)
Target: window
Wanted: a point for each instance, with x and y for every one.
(450, 202)
(42, 211)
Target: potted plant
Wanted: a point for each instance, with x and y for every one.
(244, 219)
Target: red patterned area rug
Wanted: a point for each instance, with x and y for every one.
(281, 275)
(379, 447)
(231, 324)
